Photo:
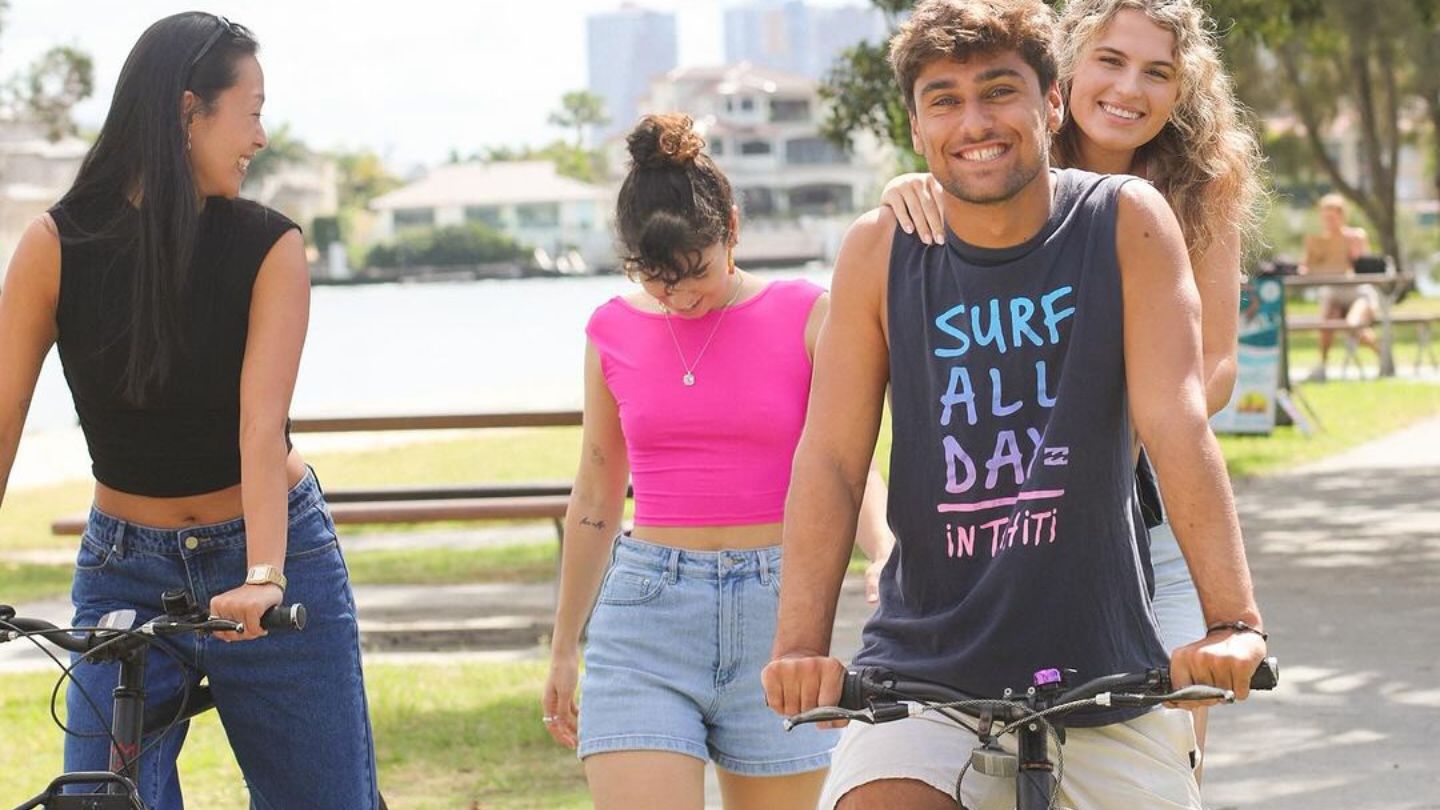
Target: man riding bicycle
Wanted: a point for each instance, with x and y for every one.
(1023, 357)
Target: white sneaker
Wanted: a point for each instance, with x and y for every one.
(1316, 375)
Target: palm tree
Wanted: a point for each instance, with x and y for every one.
(580, 109)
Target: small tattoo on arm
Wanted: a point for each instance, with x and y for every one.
(599, 525)
(597, 456)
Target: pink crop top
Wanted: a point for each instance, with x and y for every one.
(717, 453)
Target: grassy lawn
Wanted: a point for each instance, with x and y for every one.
(23, 582)
(518, 562)
(465, 736)
(1351, 413)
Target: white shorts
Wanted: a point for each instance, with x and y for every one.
(1143, 763)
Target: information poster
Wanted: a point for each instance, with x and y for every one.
(1262, 313)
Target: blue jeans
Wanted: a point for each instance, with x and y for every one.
(293, 705)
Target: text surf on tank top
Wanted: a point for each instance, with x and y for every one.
(1011, 477)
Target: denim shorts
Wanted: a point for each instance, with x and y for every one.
(292, 704)
(672, 663)
(1176, 603)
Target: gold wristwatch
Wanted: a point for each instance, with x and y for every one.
(265, 574)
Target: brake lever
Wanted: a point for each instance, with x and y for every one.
(172, 627)
(1189, 693)
(822, 714)
(1199, 692)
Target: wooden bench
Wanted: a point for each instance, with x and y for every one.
(419, 504)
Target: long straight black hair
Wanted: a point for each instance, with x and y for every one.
(140, 154)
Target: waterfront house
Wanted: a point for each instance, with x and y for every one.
(526, 200)
(797, 190)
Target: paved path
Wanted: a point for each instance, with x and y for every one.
(1346, 560)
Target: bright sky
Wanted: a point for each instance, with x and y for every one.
(411, 79)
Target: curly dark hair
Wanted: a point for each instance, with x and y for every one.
(674, 203)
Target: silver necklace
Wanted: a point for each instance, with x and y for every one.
(689, 378)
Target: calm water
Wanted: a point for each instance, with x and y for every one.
(424, 348)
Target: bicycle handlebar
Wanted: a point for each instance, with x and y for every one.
(862, 685)
(276, 619)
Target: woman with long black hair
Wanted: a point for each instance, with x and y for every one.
(180, 311)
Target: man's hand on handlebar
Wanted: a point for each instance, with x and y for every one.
(1226, 659)
(245, 605)
(800, 680)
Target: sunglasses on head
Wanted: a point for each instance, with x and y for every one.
(225, 27)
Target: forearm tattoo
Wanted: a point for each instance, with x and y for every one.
(598, 525)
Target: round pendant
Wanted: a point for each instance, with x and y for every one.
(689, 378)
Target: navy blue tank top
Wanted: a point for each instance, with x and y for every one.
(1020, 544)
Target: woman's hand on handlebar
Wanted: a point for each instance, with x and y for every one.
(916, 201)
(799, 681)
(560, 714)
(1226, 659)
(245, 605)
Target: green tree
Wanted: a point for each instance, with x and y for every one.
(50, 88)
(61, 78)
(363, 177)
(1324, 59)
(579, 109)
(1425, 41)
(585, 165)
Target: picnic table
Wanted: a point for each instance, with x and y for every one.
(1388, 285)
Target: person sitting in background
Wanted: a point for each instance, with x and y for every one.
(1333, 251)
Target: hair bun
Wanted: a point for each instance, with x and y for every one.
(664, 140)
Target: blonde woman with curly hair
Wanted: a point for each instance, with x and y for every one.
(1146, 94)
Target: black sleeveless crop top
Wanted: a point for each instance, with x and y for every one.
(186, 439)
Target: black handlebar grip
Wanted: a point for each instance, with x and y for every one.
(1267, 676)
(853, 694)
(280, 618)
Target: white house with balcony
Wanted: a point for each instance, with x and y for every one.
(526, 200)
(762, 127)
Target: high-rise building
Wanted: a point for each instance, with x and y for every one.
(791, 36)
(626, 49)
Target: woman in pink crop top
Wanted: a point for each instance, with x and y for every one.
(695, 392)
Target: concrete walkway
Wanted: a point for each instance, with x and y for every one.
(1346, 560)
